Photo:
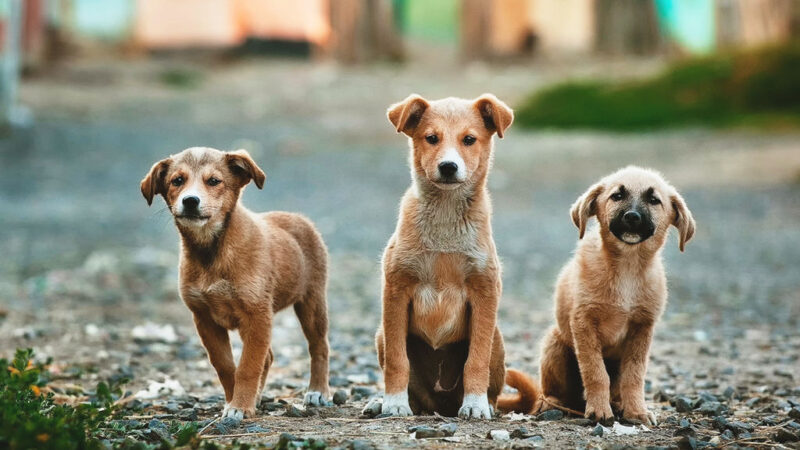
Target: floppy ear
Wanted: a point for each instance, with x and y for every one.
(242, 165)
(683, 219)
(585, 207)
(405, 116)
(155, 181)
(497, 116)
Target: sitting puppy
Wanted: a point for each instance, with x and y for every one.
(608, 299)
(438, 344)
(237, 268)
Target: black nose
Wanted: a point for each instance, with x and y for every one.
(632, 218)
(191, 202)
(448, 169)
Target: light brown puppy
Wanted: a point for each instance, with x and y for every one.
(237, 268)
(608, 299)
(438, 344)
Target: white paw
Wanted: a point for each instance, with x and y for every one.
(396, 404)
(314, 398)
(232, 413)
(475, 406)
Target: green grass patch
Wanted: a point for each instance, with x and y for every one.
(758, 88)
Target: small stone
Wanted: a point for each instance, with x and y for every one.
(783, 436)
(684, 423)
(373, 409)
(660, 396)
(581, 422)
(358, 444)
(728, 435)
(794, 425)
(293, 411)
(683, 404)
(340, 397)
(711, 408)
(794, 413)
(685, 431)
(552, 414)
(359, 392)
(729, 392)
(687, 443)
(188, 414)
(448, 429)
(426, 432)
(257, 429)
(499, 435)
(598, 431)
(521, 433)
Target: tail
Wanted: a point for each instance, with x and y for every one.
(524, 399)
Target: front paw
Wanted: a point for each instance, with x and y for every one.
(396, 405)
(639, 414)
(315, 398)
(237, 413)
(475, 406)
(599, 411)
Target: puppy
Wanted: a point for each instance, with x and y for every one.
(237, 268)
(608, 299)
(438, 343)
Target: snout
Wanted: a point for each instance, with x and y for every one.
(632, 226)
(451, 168)
(632, 218)
(190, 209)
(447, 169)
(190, 203)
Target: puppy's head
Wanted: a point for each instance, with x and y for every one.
(634, 206)
(201, 185)
(451, 139)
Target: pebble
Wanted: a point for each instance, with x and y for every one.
(340, 397)
(448, 428)
(729, 393)
(687, 443)
(499, 435)
(188, 414)
(711, 408)
(521, 433)
(552, 414)
(257, 429)
(783, 436)
(794, 413)
(685, 431)
(426, 432)
(158, 429)
(226, 425)
(598, 431)
(372, 409)
(358, 444)
(683, 404)
(293, 411)
(581, 422)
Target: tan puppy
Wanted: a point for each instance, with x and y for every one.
(439, 345)
(237, 268)
(608, 299)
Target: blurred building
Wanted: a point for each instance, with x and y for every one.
(360, 30)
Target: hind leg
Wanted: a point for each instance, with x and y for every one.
(559, 375)
(313, 315)
(267, 365)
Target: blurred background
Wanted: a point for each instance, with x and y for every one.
(93, 92)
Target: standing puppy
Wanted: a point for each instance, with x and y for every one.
(438, 344)
(237, 268)
(608, 299)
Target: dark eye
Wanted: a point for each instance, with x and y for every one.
(177, 181)
(213, 181)
(654, 200)
(432, 139)
(617, 196)
(468, 140)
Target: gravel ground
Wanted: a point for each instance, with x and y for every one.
(89, 272)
